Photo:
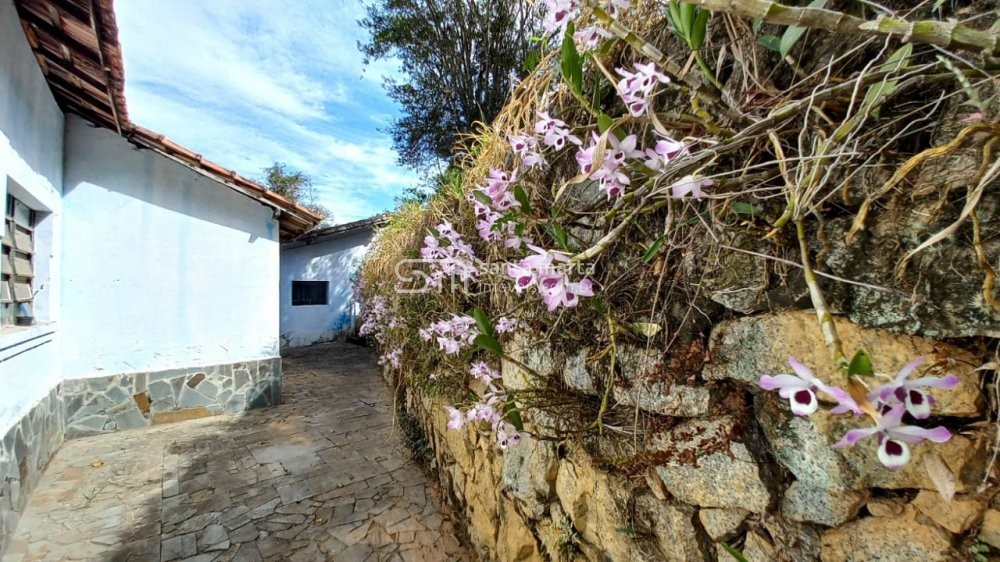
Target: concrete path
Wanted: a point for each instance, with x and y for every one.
(322, 477)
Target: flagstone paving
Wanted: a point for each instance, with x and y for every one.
(321, 477)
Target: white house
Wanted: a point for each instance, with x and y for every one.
(139, 281)
(317, 278)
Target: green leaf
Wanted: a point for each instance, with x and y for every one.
(770, 42)
(488, 343)
(757, 22)
(687, 20)
(734, 553)
(744, 208)
(522, 198)
(653, 248)
(512, 414)
(559, 233)
(647, 329)
(482, 321)
(598, 304)
(794, 33)
(697, 38)
(531, 61)
(570, 62)
(674, 18)
(604, 122)
(482, 198)
(897, 60)
(861, 364)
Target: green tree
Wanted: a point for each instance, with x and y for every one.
(295, 186)
(461, 59)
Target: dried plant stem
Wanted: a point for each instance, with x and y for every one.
(608, 383)
(826, 324)
(947, 34)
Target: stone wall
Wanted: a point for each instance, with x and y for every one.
(24, 453)
(720, 461)
(128, 401)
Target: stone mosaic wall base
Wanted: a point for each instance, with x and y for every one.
(24, 453)
(105, 404)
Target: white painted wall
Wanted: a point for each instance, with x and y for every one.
(31, 157)
(162, 266)
(333, 260)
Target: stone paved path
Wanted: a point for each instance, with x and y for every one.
(322, 477)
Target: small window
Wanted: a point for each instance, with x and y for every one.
(306, 293)
(17, 271)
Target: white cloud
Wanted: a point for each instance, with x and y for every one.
(250, 82)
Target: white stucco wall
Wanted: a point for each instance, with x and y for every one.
(333, 260)
(31, 156)
(162, 266)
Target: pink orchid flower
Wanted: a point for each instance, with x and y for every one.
(800, 389)
(894, 438)
(909, 392)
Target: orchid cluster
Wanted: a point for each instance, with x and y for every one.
(891, 401)
(486, 408)
(392, 358)
(501, 197)
(636, 88)
(610, 176)
(555, 133)
(376, 317)
(455, 257)
(451, 335)
(541, 270)
(558, 14)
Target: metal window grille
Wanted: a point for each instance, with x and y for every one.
(17, 271)
(305, 293)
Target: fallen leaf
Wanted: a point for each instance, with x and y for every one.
(647, 329)
(941, 475)
(97, 464)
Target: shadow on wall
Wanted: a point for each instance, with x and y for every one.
(109, 163)
(305, 325)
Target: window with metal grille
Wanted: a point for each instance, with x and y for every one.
(17, 265)
(306, 293)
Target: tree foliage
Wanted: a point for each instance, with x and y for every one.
(295, 186)
(460, 57)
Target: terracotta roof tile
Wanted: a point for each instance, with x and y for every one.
(76, 45)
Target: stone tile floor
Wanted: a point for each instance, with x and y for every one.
(321, 477)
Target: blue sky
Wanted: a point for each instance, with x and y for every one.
(250, 82)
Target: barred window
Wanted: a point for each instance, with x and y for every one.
(17, 265)
(306, 293)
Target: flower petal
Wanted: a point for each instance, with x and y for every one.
(913, 434)
(845, 403)
(777, 382)
(918, 404)
(893, 454)
(946, 382)
(853, 436)
(801, 370)
(803, 402)
(909, 368)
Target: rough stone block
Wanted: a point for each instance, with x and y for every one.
(746, 348)
(666, 398)
(888, 539)
(805, 503)
(721, 478)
